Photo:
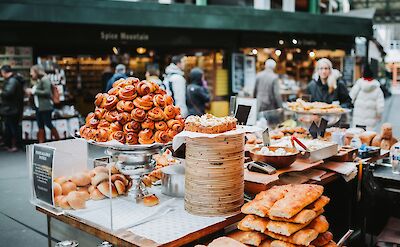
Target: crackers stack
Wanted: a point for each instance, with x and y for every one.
(286, 216)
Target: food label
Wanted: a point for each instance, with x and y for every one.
(42, 172)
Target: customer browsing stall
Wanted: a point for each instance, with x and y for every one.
(327, 86)
(197, 96)
(43, 102)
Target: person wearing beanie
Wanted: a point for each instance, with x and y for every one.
(197, 96)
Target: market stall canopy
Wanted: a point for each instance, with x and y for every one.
(124, 13)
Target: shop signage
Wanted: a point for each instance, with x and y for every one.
(123, 36)
(348, 69)
(238, 74)
(42, 171)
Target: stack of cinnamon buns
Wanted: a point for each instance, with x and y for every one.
(133, 112)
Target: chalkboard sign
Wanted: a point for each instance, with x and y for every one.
(348, 70)
(42, 171)
(238, 74)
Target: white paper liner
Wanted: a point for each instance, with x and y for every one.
(180, 138)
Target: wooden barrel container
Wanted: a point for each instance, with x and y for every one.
(214, 175)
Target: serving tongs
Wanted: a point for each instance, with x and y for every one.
(344, 238)
(295, 139)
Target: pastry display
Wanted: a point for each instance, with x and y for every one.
(314, 107)
(277, 152)
(162, 160)
(74, 191)
(210, 124)
(133, 112)
(288, 215)
(384, 140)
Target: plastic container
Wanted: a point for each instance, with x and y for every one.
(395, 158)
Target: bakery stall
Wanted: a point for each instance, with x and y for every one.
(161, 180)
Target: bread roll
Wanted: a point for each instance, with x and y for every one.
(63, 203)
(119, 177)
(81, 179)
(376, 142)
(61, 180)
(91, 188)
(150, 201)
(367, 136)
(101, 169)
(113, 168)
(76, 200)
(68, 187)
(57, 200)
(92, 173)
(120, 186)
(96, 195)
(104, 188)
(57, 189)
(84, 194)
(100, 177)
(386, 131)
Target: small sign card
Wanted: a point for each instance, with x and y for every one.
(242, 114)
(42, 171)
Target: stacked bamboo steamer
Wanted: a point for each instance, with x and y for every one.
(214, 175)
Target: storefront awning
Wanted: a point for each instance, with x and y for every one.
(140, 14)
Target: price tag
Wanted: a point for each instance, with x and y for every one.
(42, 172)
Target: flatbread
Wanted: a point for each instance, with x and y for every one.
(226, 242)
(295, 200)
(319, 204)
(320, 224)
(302, 237)
(251, 238)
(279, 243)
(253, 223)
(322, 239)
(305, 216)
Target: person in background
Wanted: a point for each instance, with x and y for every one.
(327, 86)
(153, 74)
(368, 100)
(11, 108)
(266, 90)
(197, 96)
(41, 92)
(175, 83)
(120, 72)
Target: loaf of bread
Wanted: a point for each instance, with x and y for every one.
(322, 239)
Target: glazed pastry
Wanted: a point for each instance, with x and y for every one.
(118, 136)
(132, 81)
(145, 102)
(114, 91)
(168, 100)
(138, 115)
(111, 116)
(90, 133)
(148, 124)
(156, 114)
(132, 126)
(161, 136)
(100, 97)
(150, 201)
(172, 133)
(169, 112)
(88, 117)
(158, 100)
(153, 86)
(175, 125)
(125, 106)
(83, 130)
(110, 103)
(127, 93)
(143, 88)
(131, 138)
(93, 123)
(161, 125)
(103, 124)
(123, 117)
(115, 126)
(102, 135)
(146, 136)
(99, 112)
(119, 83)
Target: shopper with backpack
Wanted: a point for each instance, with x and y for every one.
(11, 107)
(175, 83)
(43, 102)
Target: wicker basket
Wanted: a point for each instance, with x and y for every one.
(214, 175)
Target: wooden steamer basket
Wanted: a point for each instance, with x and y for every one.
(214, 175)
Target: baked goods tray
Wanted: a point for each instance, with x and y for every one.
(345, 111)
(319, 154)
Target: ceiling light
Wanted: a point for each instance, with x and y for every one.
(254, 51)
(294, 41)
(278, 52)
(311, 54)
(281, 42)
(115, 50)
(141, 50)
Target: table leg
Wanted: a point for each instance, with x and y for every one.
(48, 231)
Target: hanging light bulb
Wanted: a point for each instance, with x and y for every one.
(278, 52)
(312, 54)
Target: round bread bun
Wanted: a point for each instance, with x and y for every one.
(101, 169)
(119, 177)
(367, 136)
(57, 200)
(96, 195)
(376, 142)
(100, 177)
(91, 188)
(92, 173)
(68, 187)
(251, 138)
(57, 189)
(81, 179)
(113, 168)
(76, 200)
(120, 186)
(61, 180)
(150, 201)
(84, 194)
(104, 188)
(63, 203)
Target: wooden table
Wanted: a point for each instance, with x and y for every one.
(126, 238)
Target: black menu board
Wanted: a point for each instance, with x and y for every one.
(42, 171)
(348, 70)
(237, 72)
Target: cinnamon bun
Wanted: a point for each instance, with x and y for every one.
(172, 133)
(161, 136)
(158, 100)
(114, 91)
(88, 117)
(168, 99)
(169, 112)
(103, 124)
(125, 106)
(123, 117)
(145, 102)
(115, 126)
(146, 136)
(127, 93)
(138, 115)
(161, 125)
(131, 138)
(110, 102)
(175, 125)
(119, 83)
(100, 97)
(118, 136)
(132, 126)
(99, 112)
(156, 114)
(102, 135)
(93, 123)
(143, 88)
(148, 124)
(111, 116)
(132, 81)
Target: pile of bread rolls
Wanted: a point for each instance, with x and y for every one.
(384, 140)
(73, 192)
(133, 112)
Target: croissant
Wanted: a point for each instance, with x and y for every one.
(168, 100)
(156, 114)
(132, 127)
(148, 124)
(99, 112)
(175, 125)
(100, 97)
(88, 117)
(123, 105)
(115, 126)
(110, 102)
(111, 116)
(169, 112)
(138, 115)
(161, 125)
(124, 117)
(131, 138)
(118, 136)
(145, 102)
(127, 93)
(102, 135)
(143, 88)
(146, 136)
(103, 124)
(161, 136)
(158, 100)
